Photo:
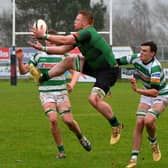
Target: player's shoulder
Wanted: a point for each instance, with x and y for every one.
(156, 62)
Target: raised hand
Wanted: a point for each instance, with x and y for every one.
(19, 54)
(69, 87)
(37, 45)
(133, 83)
(37, 33)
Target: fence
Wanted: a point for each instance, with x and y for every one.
(125, 73)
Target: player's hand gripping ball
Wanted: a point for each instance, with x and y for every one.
(40, 24)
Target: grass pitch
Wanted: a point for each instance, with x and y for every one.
(26, 141)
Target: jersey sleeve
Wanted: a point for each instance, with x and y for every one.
(155, 77)
(34, 59)
(82, 36)
(127, 59)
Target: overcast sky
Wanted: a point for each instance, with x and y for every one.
(7, 3)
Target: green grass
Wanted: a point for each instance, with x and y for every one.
(26, 141)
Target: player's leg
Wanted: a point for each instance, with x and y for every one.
(67, 117)
(152, 137)
(144, 105)
(70, 62)
(96, 100)
(137, 139)
(104, 80)
(150, 123)
(61, 67)
(74, 127)
(50, 111)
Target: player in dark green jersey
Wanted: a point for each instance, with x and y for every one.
(97, 61)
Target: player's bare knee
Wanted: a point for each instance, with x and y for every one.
(150, 118)
(97, 94)
(53, 120)
(66, 117)
(149, 122)
(68, 62)
(139, 123)
(52, 116)
(92, 100)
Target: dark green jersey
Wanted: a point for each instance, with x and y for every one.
(94, 48)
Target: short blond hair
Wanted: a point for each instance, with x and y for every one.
(88, 16)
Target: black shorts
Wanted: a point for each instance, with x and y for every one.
(105, 78)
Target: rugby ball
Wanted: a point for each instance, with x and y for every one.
(40, 24)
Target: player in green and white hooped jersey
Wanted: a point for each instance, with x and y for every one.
(154, 97)
(97, 61)
(54, 97)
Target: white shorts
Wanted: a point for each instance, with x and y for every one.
(54, 97)
(153, 100)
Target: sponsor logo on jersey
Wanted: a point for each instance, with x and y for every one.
(46, 65)
(155, 80)
(155, 77)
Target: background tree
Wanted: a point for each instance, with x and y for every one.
(141, 21)
(6, 29)
(159, 22)
(59, 15)
(133, 28)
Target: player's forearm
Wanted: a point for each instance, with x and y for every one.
(57, 49)
(53, 50)
(75, 77)
(60, 39)
(147, 92)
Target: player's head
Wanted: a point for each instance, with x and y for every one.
(148, 51)
(151, 45)
(83, 19)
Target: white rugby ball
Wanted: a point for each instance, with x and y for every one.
(40, 24)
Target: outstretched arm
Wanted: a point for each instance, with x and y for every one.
(62, 49)
(145, 92)
(72, 83)
(57, 39)
(23, 68)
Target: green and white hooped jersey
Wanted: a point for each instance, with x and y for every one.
(44, 62)
(151, 74)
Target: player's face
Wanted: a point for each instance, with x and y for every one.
(79, 22)
(146, 54)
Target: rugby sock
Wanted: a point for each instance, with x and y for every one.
(79, 136)
(134, 154)
(114, 122)
(60, 148)
(152, 140)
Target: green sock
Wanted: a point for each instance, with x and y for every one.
(114, 122)
(60, 148)
(79, 136)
